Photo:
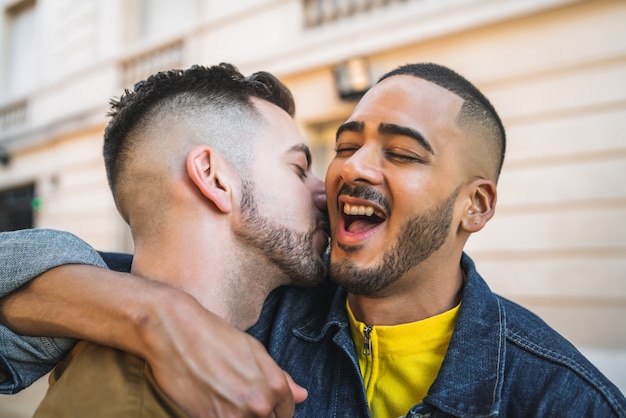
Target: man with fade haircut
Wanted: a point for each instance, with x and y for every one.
(196, 161)
(408, 327)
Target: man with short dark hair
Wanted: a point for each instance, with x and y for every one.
(196, 160)
(409, 328)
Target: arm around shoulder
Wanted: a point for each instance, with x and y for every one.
(26, 254)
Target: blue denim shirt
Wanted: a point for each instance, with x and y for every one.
(502, 360)
(24, 255)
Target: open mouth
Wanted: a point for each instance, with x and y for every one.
(361, 218)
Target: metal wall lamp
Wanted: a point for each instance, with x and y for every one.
(352, 78)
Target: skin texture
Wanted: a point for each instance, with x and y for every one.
(403, 151)
(203, 242)
(279, 214)
(419, 237)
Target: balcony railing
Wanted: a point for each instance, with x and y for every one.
(320, 12)
(13, 115)
(138, 67)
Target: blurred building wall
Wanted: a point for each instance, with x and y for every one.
(554, 69)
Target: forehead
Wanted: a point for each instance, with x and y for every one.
(409, 101)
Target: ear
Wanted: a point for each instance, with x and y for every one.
(481, 205)
(211, 176)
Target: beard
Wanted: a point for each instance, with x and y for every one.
(289, 250)
(419, 238)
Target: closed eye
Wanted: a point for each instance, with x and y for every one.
(405, 158)
(300, 171)
(299, 157)
(345, 150)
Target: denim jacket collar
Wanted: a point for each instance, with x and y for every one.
(477, 348)
(472, 373)
(314, 329)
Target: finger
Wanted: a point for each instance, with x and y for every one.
(299, 393)
(280, 388)
(285, 407)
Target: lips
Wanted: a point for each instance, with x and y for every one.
(321, 243)
(362, 221)
(360, 216)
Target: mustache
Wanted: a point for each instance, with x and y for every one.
(363, 192)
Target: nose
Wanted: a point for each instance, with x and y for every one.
(362, 166)
(318, 193)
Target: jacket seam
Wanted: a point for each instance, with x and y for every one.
(569, 363)
(496, 388)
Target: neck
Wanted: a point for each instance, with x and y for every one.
(212, 270)
(425, 291)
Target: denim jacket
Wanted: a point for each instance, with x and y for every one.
(502, 360)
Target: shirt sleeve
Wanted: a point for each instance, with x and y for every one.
(25, 255)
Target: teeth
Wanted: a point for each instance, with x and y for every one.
(358, 210)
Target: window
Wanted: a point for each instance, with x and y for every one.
(20, 48)
(16, 208)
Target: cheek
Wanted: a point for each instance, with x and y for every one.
(418, 188)
(410, 198)
(296, 206)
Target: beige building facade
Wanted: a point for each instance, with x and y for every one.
(554, 69)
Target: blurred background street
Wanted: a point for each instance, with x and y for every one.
(554, 69)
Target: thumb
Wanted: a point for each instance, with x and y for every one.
(299, 393)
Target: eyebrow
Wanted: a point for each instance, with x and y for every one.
(389, 129)
(304, 149)
(393, 129)
(352, 126)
